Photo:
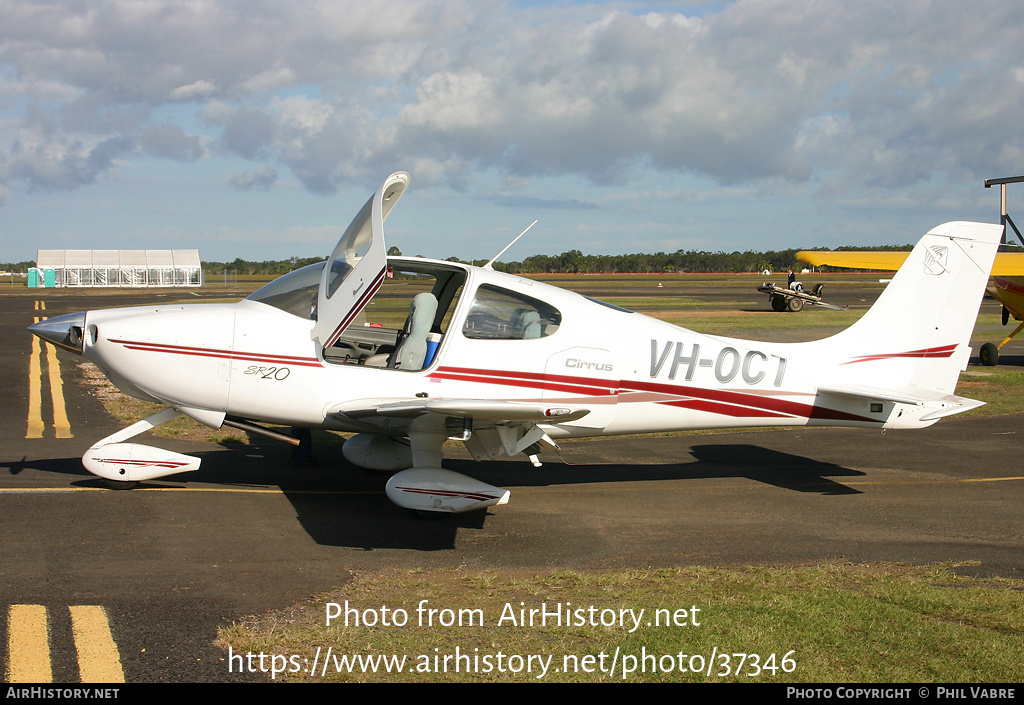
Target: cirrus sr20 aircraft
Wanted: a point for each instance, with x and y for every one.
(505, 364)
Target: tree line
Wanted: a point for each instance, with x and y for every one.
(575, 262)
(571, 262)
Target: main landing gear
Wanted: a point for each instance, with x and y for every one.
(989, 352)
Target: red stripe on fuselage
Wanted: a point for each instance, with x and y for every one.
(717, 401)
(724, 409)
(533, 380)
(743, 401)
(214, 352)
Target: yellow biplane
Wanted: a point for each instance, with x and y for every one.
(1006, 285)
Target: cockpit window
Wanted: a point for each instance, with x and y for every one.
(295, 292)
(499, 314)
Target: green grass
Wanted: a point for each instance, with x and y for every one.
(658, 302)
(1001, 388)
(746, 322)
(812, 624)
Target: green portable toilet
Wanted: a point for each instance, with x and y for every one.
(49, 278)
(33, 278)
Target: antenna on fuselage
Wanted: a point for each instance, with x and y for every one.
(488, 265)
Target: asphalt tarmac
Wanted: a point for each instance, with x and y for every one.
(175, 559)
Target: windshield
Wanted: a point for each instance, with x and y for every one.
(295, 292)
(354, 244)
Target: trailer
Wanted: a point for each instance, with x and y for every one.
(794, 298)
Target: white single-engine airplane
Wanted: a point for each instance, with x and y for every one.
(504, 363)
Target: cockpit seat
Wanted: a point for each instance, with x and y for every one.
(531, 325)
(411, 348)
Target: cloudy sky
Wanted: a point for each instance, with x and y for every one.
(257, 128)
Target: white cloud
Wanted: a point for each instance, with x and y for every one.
(268, 81)
(840, 98)
(261, 178)
(194, 91)
(172, 142)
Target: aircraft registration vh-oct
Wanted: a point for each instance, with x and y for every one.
(505, 364)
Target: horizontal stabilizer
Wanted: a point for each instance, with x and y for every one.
(936, 403)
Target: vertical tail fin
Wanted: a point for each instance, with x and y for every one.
(917, 334)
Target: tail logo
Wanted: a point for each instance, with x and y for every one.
(936, 258)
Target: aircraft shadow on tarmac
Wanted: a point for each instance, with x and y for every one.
(371, 521)
(56, 466)
(771, 467)
(340, 505)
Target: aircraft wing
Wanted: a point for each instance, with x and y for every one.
(482, 409)
(1007, 264)
(489, 429)
(888, 261)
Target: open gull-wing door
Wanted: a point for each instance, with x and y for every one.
(358, 264)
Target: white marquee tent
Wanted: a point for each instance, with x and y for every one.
(125, 268)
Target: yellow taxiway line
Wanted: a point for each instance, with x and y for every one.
(35, 413)
(61, 425)
(98, 658)
(28, 645)
(36, 425)
(228, 490)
